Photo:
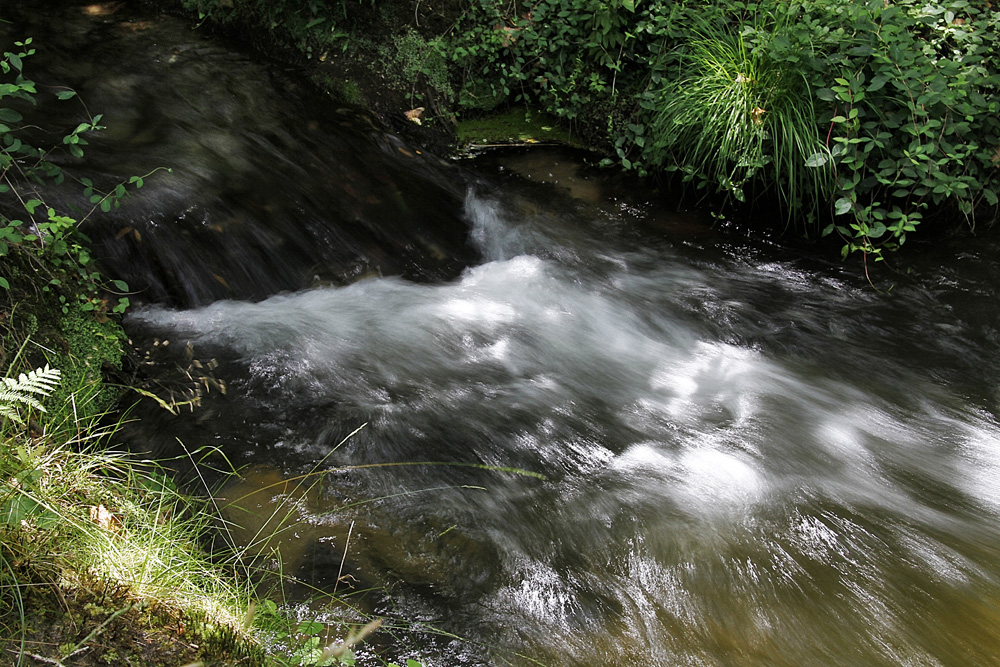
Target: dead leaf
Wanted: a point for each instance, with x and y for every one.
(105, 519)
(416, 115)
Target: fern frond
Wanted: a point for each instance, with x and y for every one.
(7, 410)
(42, 381)
(22, 391)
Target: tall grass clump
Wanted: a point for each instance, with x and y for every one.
(739, 120)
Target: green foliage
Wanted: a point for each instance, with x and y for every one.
(564, 54)
(304, 643)
(23, 391)
(871, 115)
(422, 67)
(310, 26)
(914, 96)
(47, 244)
(737, 116)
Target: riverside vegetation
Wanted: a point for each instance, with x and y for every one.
(863, 121)
(104, 560)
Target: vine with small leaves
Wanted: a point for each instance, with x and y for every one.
(48, 240)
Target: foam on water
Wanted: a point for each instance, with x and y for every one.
(704, 495)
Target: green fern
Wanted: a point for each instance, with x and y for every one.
(23, 391)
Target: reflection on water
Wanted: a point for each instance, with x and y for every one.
(745, 462)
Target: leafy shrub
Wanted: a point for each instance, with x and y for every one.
(46, 244)
(913, 94)
(421, 66)
(871, 115)
(306, 25)
(737, 115)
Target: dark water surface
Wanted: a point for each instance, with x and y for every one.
(750, 456)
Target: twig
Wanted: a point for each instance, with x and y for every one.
(340, 572)
(51, 661)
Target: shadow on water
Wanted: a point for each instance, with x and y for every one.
(750, 456)
(272, 189)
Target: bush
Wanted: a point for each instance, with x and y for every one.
(856, 118)
(738, 114)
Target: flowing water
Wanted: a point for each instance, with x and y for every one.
(666, 444)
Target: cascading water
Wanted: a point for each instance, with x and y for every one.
(749, 456)
(742, 465)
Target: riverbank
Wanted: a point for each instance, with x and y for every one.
(796, 117)
(102, 560)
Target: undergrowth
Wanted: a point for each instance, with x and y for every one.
(105, 561)
(82, 521)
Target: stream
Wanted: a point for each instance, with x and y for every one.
(550, 419)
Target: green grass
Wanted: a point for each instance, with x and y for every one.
(101, 553)
(79, 519)
(738, 121)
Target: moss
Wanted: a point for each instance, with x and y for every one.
(90, 348)
(102, 625)
(84, 345)
(341, 89)
(516, 126)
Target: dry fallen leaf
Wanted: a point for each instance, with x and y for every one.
(102, 517)
(416, 115)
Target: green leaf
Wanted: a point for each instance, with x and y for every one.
(10, 116)
(842, 206)
(66, 94)
(878, 82)
(121, 285)
(311, 627)
(817, 159)
(3, 282)
(31, 205)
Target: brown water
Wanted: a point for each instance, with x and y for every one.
(750, 455)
